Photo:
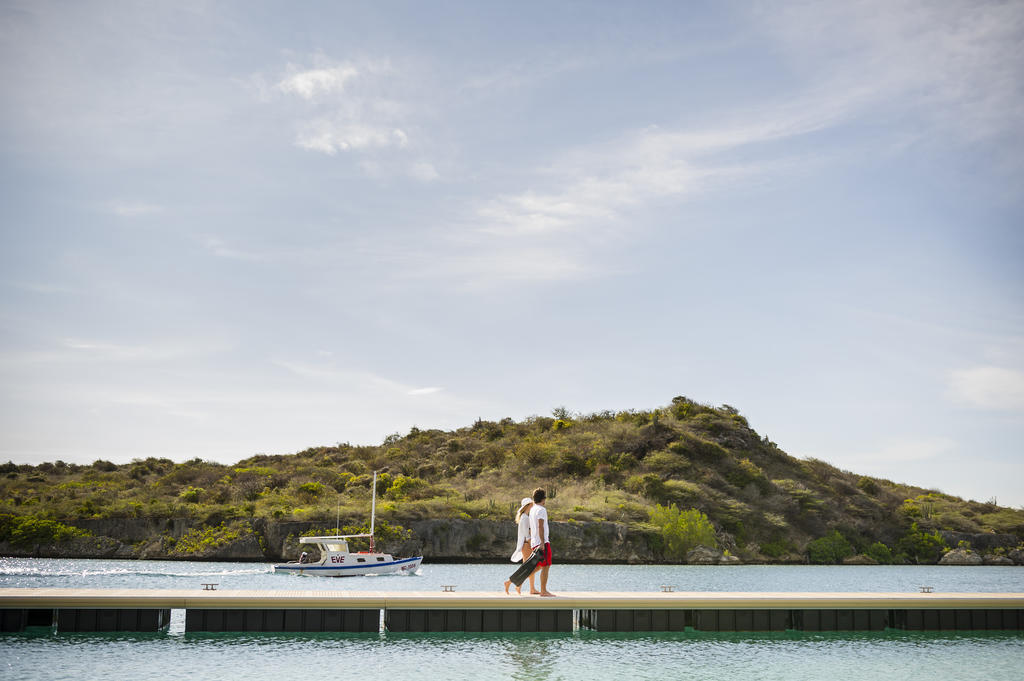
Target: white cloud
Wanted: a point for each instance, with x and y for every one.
(989, 387)
(424, 391)
(308, 84)
(594, 186)
(534, 235)
(331, 136)
(954, 64)
(351, 107)
(352, 381)
(915, 63)
(345, 380)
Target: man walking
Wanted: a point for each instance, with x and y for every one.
(540, 538)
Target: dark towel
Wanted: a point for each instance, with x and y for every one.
(520, 575)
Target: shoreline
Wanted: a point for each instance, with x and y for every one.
(447, 560)
(441, 541)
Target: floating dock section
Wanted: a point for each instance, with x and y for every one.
(364, 611)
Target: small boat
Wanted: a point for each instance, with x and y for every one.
(337, 561)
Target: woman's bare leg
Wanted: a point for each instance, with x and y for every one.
(526, 557)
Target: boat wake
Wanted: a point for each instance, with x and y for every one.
(418, 572)
(21, 571)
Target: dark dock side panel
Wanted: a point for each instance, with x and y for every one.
(282, 620)
(958, 620)
(840, 620)
(636, 620)
(473, 620)
(806, 619)
(112, 619)
(18, 618)
(741, 620)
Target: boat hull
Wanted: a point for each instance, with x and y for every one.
(400, 566)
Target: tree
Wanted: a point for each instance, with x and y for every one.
(921, 547)
(880, 553)
(683, 530)
(830, 549)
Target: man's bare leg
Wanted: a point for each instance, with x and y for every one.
(534, 592)
(544, 581)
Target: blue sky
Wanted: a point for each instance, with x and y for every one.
(234, 228)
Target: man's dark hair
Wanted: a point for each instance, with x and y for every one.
(539, 495)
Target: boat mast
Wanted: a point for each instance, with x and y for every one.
(373, 509)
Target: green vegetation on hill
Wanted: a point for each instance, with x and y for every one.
(689, 473)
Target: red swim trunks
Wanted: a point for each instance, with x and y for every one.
(546, 560)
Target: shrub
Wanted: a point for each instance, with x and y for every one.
(921, 547)
(191, 494)
(681, 492)
(533, 451)
(807, 500)
(868, 486)
(745, 472)
(691, 446)
(776, 548)
(830, 549)
(383, 482)
(667, 463)
(406, 487)
(649, 485)
(684, 408)
(27, 530)
(199, 541)
(682, 530)
(312, 489)
(573, 464)
(880, 553)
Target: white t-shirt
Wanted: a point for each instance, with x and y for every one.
(538, 512)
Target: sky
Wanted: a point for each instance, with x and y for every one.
(232, 228)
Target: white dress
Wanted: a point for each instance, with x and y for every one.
(524, 536)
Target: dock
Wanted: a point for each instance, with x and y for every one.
(208, 609)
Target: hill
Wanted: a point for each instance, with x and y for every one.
(629, 485)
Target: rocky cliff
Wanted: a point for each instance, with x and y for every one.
(437, 540)
(442, 540)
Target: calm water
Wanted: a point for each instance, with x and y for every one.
(39, 654)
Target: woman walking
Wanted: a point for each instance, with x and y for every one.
(522, 552)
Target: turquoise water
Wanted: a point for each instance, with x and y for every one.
(157, 574)
(39, 654)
